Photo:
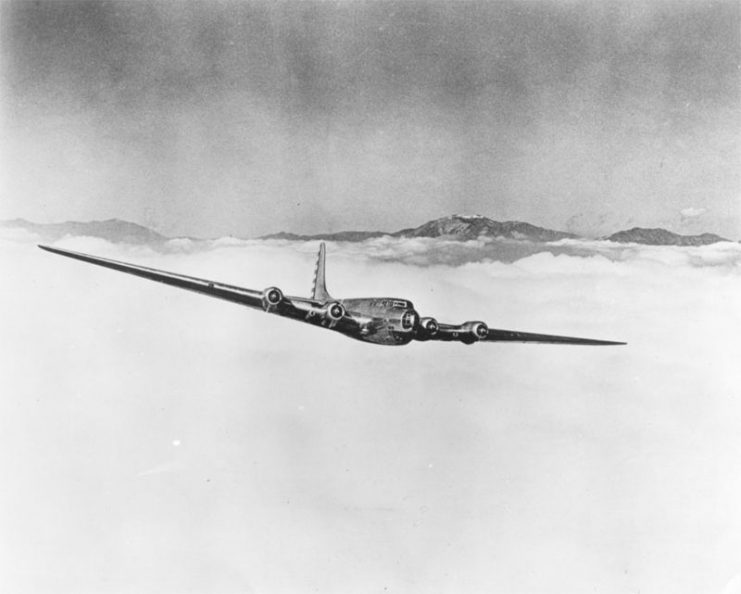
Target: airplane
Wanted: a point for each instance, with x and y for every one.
(389, 321)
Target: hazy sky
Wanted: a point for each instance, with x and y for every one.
(213, 118)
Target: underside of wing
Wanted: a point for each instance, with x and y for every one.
(232, 293)
(495, 335)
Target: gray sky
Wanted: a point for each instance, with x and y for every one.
(247, 118)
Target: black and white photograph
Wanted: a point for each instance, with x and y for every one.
(370, 296)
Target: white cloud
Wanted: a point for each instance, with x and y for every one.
(317, 462)
(733, 586)
(17, 234)
(693, 212)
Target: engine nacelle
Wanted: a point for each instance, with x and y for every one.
(332, 313)
(428, 328)
(474, 331)
(272, 297)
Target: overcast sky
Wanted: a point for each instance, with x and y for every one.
(214, 118)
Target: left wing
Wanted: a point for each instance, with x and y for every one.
(495, 335)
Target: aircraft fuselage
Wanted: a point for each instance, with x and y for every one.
(390, 321)
(384, 320)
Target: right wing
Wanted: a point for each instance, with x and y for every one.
(232, 293)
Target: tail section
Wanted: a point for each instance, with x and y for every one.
(320, 285)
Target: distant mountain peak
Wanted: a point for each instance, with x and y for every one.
(468, 227)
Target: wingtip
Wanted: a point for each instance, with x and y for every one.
(48, 248)
(53, 250)
(588, 342)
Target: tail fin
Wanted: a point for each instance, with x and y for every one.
(320, 286)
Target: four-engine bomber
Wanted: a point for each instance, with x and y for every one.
(378, 320)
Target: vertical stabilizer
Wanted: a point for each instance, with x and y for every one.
(320, 285)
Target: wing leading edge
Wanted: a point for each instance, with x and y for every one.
(231, 293)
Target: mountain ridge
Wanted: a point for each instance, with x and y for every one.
(458, 227)
(114, 230)
(658, 236)
(471, 227)
(455, 227)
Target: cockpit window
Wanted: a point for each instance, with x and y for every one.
(400, 303)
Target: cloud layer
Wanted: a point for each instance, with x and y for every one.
(307, 461)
